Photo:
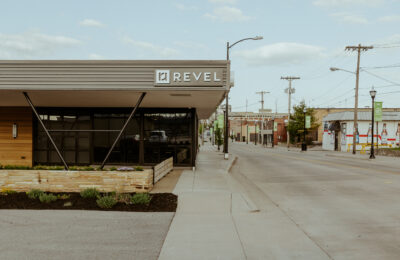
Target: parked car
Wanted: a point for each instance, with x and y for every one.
(158, 136)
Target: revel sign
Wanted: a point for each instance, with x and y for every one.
(189, 77)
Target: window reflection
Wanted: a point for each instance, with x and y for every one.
(165, 135)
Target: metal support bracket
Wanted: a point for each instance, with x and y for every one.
(123, 129)
(45, 129)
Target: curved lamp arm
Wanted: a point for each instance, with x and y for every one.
(250, 38)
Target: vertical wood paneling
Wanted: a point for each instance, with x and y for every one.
(16, 151)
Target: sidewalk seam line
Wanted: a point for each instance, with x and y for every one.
(237, 232)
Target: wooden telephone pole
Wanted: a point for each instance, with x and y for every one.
(290, 90)
(262, 114)
(358, 48)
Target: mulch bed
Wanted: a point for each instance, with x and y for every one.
(161, 202)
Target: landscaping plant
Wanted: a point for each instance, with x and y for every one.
(6, 191)
(123, 198)
(63, 196)
(34, 193)
(47, 198)
(139, 168)
(141, 198)
(90, 193)
(106, 202)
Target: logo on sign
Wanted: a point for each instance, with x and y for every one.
(162, 76)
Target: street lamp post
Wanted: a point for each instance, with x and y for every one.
(355, 102)
(228, 47)
(373, 94)
(304, 145)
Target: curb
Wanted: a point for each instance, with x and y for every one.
(250, 204)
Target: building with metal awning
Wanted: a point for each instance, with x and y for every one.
(80, 112)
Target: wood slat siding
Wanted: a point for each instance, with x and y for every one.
(163, 168)
(16, 151)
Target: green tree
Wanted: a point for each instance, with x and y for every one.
(218, 137)
(296, 126)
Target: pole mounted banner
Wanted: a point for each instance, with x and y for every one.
(378, 111)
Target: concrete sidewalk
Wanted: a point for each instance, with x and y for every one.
(217, 218)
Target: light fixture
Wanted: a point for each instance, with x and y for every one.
(258, 38)
(372, 92)
(15, 131)
(333, 69)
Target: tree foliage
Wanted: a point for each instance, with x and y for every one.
(297, 121)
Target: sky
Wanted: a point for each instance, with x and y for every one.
(302, 38)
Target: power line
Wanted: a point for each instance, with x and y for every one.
(382, 78)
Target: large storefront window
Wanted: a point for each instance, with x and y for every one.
(84, 136)
(166, 135)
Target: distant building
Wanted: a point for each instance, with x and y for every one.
(338, 131)
(320, 113)
(249, 126)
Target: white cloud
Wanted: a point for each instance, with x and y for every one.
(94, 56)
(389, 18)
(350, 18)
(222, 1)
(91, 23)
(152, 48)
(183, 7)
(227, 14)
(344, 3)
(32, 44)
(280, 54)
(190, 45)
(393, 39)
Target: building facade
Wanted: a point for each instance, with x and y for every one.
(249, 126)
(320, 113)
(115, 112)
(338, 131)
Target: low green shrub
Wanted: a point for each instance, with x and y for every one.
(123, 198)
(113, 169)
(47, 198)
(63, 196)
(34, 193)
(6, 191)
(141, 198)
(106, 202)
(46, 167)
(90, 193)
(16, 167)
(139, 168)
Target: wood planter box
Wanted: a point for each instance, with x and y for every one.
(75, 181)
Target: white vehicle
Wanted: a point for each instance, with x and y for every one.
(158, 136)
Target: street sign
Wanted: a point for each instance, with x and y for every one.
(215, 124)
(267, 132)
(220, 121)
(275, 126)
(211, 131)
(257, 129)
(378, 111)
(308, 121)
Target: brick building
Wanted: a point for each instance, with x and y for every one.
(248, 126)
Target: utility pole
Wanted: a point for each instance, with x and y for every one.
(262, 98)
(289, 90)
(247, 125)
(262, 114)
(358, 48)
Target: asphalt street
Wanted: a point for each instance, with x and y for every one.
(345, 205)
